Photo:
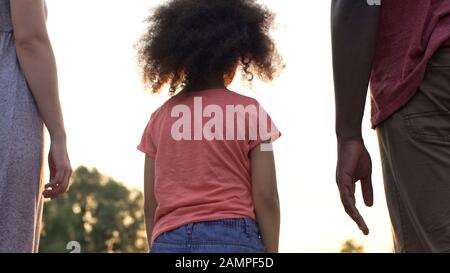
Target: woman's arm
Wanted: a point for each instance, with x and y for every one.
(265, 197)
(149, 197)
(38, 63)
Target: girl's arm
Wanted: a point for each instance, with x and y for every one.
(38, 63)
(265, 197)
(149, 197)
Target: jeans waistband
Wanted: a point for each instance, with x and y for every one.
(246, 224)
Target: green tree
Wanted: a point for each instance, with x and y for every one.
(351, 246)
(99, 213)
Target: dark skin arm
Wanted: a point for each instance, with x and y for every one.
(354, 25)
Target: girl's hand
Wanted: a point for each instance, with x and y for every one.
(60, 170)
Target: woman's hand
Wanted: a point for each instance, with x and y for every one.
(60, 170)
(35, 54)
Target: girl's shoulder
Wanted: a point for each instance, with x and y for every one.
(243, 98)
(167, 107)
(229, 97)
(217, 96)
(160, 110)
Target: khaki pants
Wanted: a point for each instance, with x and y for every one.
(415, 153)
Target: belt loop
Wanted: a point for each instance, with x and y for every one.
(189, 228)
(247, 227)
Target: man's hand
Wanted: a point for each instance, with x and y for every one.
(354, 164)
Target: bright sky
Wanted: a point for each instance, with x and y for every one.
(106, 110)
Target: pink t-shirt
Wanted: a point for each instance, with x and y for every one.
(410, 33)
(200, 142)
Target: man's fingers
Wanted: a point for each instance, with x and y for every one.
(359, 220)
(348, 200)
(367, 190)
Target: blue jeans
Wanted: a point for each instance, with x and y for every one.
(223, 236)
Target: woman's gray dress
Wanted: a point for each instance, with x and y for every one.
(21, 140)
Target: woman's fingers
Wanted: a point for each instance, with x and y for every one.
(66, 180)
(59, 184)
(60, 170)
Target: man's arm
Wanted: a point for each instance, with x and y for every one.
(354, 25)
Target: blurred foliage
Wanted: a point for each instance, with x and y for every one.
(351, 246)
(99, 213)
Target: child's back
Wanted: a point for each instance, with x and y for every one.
(200, 142)
(210, 182)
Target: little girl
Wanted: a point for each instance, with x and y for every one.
(210, 183)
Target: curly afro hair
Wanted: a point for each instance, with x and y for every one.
(190, 40)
